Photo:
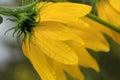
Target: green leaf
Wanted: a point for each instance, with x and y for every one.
(1, 19)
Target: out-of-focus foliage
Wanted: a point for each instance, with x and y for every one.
(22, 70)
(109, 64)
(58, 0)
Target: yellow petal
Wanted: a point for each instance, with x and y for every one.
(91, 37)
(101, 10)
(54, 49)
(58, 31)
(26, 53)
(39, 61)
(60, 74)
(114, 35)
(63, 11)
(113, 15)
(59, 71)
(41, 5)
(115, 4)
(110, 14)
(103, 29)
(85, 59)
(74, 71)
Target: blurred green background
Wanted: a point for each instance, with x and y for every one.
(15, 66)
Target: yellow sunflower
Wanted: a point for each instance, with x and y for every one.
(59, 43)
(109, 10)
(111, 13)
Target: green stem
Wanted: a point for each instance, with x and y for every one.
(103, 22)
(16, 10)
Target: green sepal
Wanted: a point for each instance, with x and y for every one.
(18, 35)
(29, 37)
(9, 30)
(13, 20)
(1, 19)
(25, 22)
